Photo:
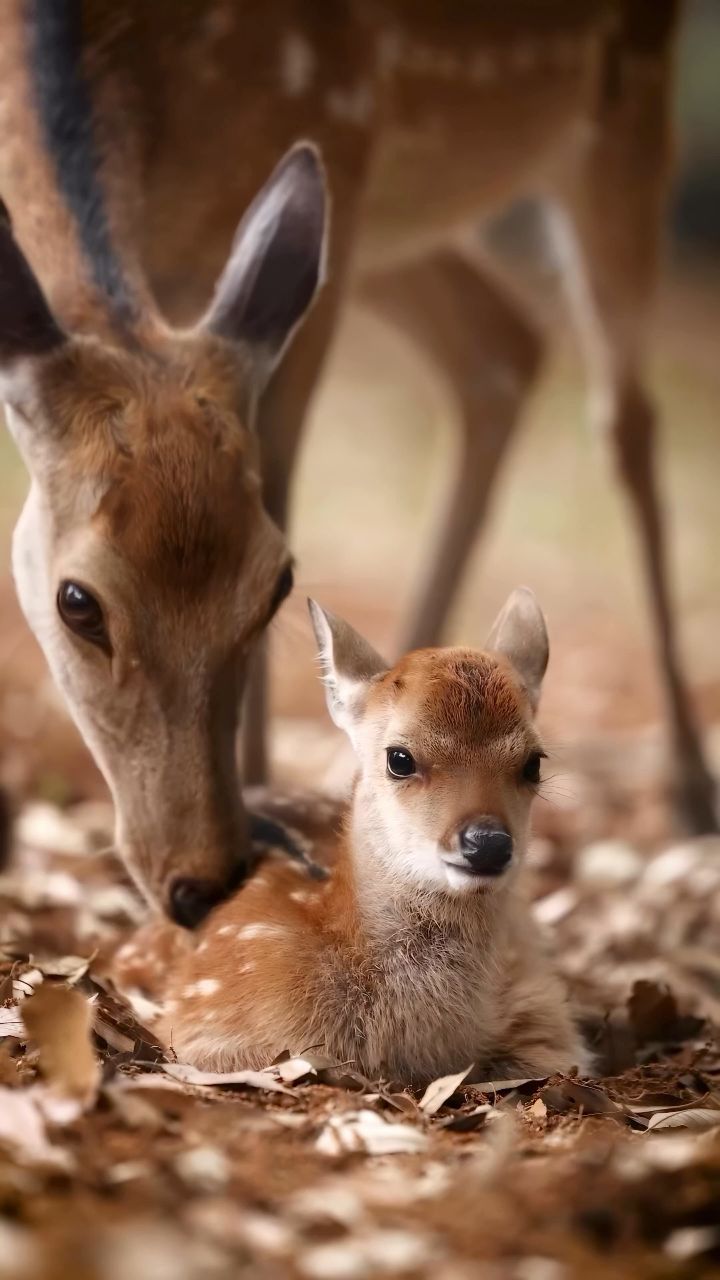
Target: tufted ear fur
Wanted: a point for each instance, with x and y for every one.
(348, 664)
(277, 261)
(519, 633)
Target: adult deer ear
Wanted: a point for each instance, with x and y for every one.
(277, 261)
(27, 325)
(348, 664)
(519, 633)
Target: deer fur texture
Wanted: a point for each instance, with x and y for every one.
(405, 962)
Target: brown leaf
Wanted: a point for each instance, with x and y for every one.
(569, 1096)
(58, 1021)
(438, 1091)
(653, 1011)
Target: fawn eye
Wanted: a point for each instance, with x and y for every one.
(531, 768)
(284, 586)
(82, 614)
(400, 763)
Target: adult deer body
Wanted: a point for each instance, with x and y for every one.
(133, 139)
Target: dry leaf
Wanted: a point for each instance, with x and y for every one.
(438, 1091)
(22, 1127)
(366, 1131)
(698, 1118)
(506, 1086)
(291, 1070)
(569, 1095)
(251, 1079)
(467, 1121)
(11, 1023)
(59, 1022)
(72, 968)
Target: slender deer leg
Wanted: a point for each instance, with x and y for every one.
(487, 349)
(613, 212)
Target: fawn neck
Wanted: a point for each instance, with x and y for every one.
(386, 908)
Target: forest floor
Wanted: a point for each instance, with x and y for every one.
(116, 1164)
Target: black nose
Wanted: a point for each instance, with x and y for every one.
(191, 900)
(487, 848)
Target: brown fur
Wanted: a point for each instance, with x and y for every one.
(384, 965)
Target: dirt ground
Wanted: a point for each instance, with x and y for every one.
(117, 1163)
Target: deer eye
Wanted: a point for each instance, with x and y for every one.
(531, 768)
(400, 763)
(82, 614)
(283, 587)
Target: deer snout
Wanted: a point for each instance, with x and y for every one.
(486, 847)
(190, 900)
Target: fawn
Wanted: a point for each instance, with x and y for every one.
(418, 956)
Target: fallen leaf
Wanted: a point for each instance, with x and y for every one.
(73, 968)
(251, 1079)
(22, 1127)
(366, 1131)
(11, 1023)
(506, 1086)
(569, 1095)
(58, 1020)
(689, 1242)
(697, 1118)
(467, 1121)
(290, 1070)
(438, 1091)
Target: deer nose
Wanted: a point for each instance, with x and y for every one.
(191, 900)
(487, 848)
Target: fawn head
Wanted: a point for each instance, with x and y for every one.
(448, 750)
(145, 561)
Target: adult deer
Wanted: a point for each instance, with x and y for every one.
(131, 140)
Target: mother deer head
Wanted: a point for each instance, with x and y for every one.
(144, 559)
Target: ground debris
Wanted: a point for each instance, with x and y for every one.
(112, 1151)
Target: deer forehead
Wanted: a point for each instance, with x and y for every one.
(172, 467)
(453, 704)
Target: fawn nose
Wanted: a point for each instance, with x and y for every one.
(191, 899)
(487, 848)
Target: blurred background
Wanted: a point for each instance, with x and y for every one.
(375, 459)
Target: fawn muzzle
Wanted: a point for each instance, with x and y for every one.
(487, 848)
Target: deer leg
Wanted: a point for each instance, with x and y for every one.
(488, 351)
(613, 213)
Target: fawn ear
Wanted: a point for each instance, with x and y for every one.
(27, 325)
(348, 664)
(520, 635)
(277, 261)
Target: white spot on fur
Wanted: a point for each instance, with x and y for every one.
(261, 931)
(225, 931)
(352, 105)
(300, 895)
(298, 64)
(205, 987)
(483, 69)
